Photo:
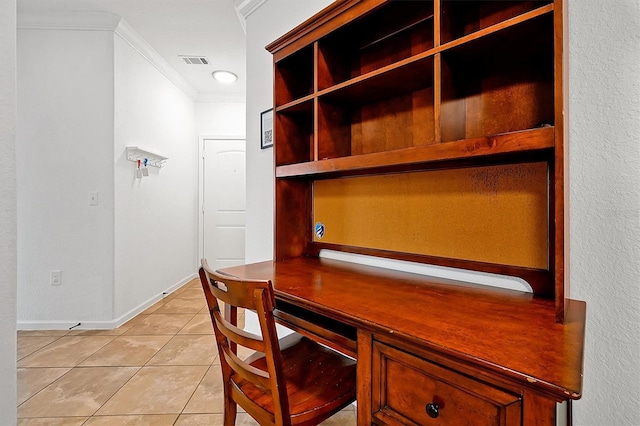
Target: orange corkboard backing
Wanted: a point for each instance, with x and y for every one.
(495, 214)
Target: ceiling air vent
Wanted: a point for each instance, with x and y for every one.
(194, 60)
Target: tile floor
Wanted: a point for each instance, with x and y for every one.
(160, 368)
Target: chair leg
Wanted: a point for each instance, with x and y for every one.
(230, 415)
(230, 410)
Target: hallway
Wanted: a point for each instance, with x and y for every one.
(160, 368)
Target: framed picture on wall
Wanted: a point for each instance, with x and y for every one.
(266, 128)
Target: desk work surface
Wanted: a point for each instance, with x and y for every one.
(504, 331)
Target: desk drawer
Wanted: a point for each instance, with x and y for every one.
(408, 390)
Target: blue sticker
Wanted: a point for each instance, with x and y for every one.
(319, 230)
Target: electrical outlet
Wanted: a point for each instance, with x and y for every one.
(56, 278)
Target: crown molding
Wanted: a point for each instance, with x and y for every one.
(244, 8)
(103, 21)
(131, 37)
(78, 21)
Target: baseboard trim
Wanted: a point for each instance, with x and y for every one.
(102, 325)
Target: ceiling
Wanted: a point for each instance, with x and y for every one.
(210, 28)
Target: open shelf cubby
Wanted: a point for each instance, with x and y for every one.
(461, 18)
(373, 87)
(384, 112)
(294, 132)
(499, 83)
(294, 76)
(382, 37)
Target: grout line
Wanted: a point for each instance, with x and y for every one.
(139, 368)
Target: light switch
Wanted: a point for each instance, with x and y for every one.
(93, 198)
(56, 278)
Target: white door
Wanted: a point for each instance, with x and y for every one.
(224, 201)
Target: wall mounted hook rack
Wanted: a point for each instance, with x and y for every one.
(135, 153)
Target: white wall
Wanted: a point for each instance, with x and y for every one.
(84, 95)
(604, 119)
(221, 118)
(604, 98)
(273, 19)
(8, 222)
(155, 217)
(64, 150)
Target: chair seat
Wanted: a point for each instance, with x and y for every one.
(318, 379)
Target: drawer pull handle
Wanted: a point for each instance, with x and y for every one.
(432, 410)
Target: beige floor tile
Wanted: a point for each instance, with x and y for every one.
(168, 297)
(182, 306)
(208, 397)
(58, 333)
(200, 324)
(127, 351)
(109, 332)
(151, 309)
(156, 390)
(33, 380)
(194, 283)
(134, 321)
(80, 392)
(29, 344)
(159, 324)
(200, 420)
(343, 418)
(48, 421)
(187, 350)
(141, 420)
(67, 351)
(192, 293)
(242, 419)
(346, 417)
(180, 290)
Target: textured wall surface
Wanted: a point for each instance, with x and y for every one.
(221, 119)
(155, 217)
(8, 221)
(64, 150)
(604, 122)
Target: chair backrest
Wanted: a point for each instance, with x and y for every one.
(257, 296)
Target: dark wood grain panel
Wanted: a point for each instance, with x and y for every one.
(410, 87)
(461, 18)
(292, 207)
(427, 156)
(406, 385)
(509, 333)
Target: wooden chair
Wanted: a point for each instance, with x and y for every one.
(292, 381)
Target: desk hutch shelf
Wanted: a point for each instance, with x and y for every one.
(433, 132)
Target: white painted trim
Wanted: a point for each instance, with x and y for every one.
(131, 37)
(201, 139)
(103, 21)
(456, 274)
(244, 8)
(71, 21)
(103, 325)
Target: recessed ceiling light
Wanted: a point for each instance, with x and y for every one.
(224, 76)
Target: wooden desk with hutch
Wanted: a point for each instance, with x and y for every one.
(430, 132)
